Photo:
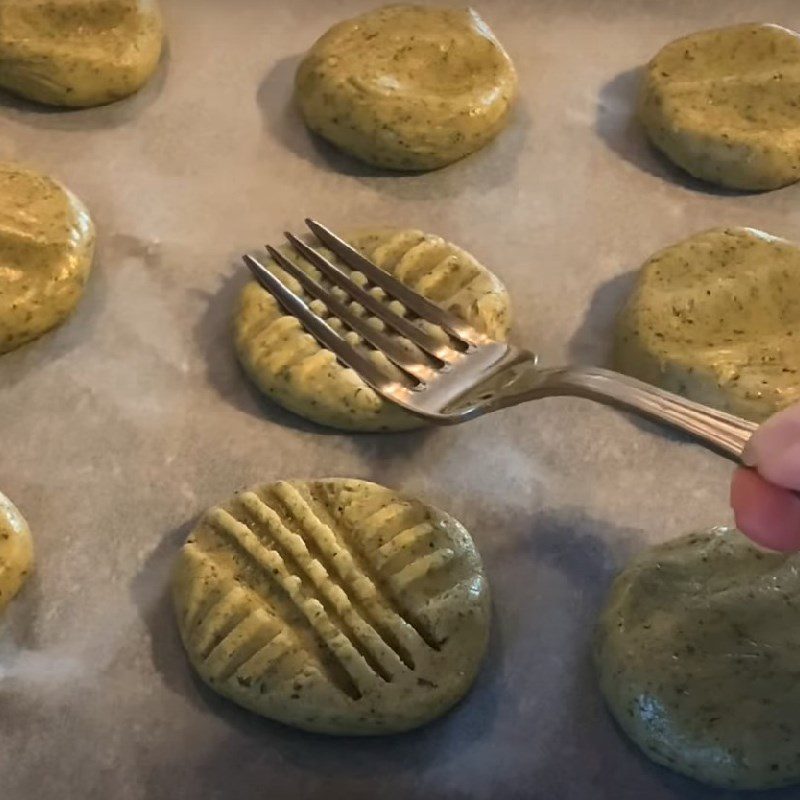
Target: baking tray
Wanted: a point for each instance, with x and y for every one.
(118, 429)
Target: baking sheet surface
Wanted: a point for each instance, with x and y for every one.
(118, 429)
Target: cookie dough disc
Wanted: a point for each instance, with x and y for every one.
(698, 653)
(288, 365)
(407, 87)
(78, 52)
(46, 248)
(722, 104)
(16, 551)
(716, 318)
(336, 606)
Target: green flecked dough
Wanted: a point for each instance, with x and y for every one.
(289, 366)
(77, 53)
(698, 656)
(407, 87)
(724, 105)
(337, 606)
(16, 551)
(716, 318)
(46, 248)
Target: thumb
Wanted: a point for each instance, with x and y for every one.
(774, 449)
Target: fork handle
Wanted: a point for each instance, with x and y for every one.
(717, 430)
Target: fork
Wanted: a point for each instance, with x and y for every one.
(466, 374)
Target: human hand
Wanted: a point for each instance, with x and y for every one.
(766, 508)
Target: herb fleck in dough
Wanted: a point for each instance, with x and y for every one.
(16, 551)
(716, 318)
(290, 367)
(337, 606)
(407, 87)
(46, 248)
(78, 52)
(698, 653)
(725, 105)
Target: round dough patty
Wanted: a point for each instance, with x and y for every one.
(336, 606)
(407, 87)
(46, 248)
(716, 318)
(16, 551)
(698, 652)
(288, 364)
(78, 52)
(722, 104)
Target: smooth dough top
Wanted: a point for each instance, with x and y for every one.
(78, 52)
(16, 551)
(716, 318)
(722, 104)
(46, 248)
(698, 653)
(290, 366)
(408, 87)
(336, 606)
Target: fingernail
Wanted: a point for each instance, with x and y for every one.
(767, 444)
(750, 453)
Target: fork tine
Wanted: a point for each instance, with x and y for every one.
(317, 326)
(397, 290)
(380, 309)
(388, 346)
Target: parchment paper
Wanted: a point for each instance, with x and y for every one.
(118, 429)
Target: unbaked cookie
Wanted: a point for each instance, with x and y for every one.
(46, 248)
(78, 52)
(722, 104)
(698, 653)
(716, 318)
(288, 364)
(407, 87)
(16, 551)
(335, 605)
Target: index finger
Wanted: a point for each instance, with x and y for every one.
(774, 449)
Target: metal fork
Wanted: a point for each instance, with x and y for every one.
(467, 374)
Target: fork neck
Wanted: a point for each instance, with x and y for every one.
(717, 430)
